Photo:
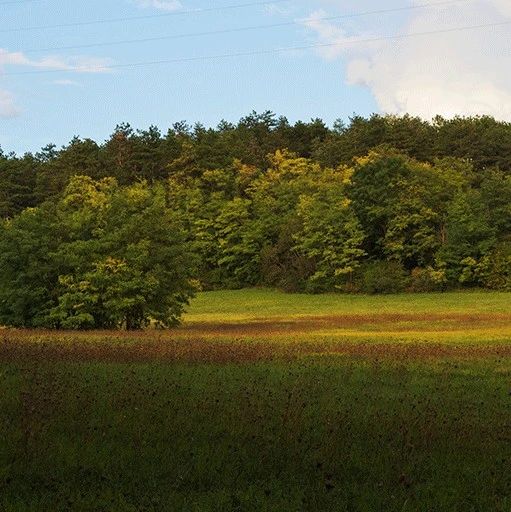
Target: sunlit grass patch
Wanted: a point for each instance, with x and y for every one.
(242, 305)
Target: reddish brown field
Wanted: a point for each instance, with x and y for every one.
(367, 335)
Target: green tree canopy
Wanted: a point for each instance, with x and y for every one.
(103, 256)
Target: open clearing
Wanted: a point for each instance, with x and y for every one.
(263, 401)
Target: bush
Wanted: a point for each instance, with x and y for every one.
(288, 271)
(383, 277)
(282, 266)
(102, 256)
(494, 269)
(426, 280)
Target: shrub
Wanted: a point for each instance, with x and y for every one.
(426, 280)
(494, 269)
(103, 256)
(383, 277)
(286, 270)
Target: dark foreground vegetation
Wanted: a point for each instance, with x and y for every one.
(122, 233)
(148, 422)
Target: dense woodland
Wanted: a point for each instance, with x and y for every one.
(122, 232)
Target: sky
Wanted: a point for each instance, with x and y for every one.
(67, 68)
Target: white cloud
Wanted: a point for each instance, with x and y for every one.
(335, 39)
(503, 6)
(66, 83)
(164, 5)
(463, 72)
(8, 108)
(277, 10)
(78, 64)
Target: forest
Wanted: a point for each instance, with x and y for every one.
(125, 231)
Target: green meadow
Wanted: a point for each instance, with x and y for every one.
(250, 304)
(264, 401)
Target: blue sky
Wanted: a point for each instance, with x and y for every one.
(76, 92)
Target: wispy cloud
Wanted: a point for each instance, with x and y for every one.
(451, 73)
(78, 64)
(164, 5)
(67, 83)
(8, 108)
(277, 10)
(336, 38)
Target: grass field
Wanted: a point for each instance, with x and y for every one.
(263, 401)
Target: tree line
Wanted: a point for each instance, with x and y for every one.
(121, 233)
